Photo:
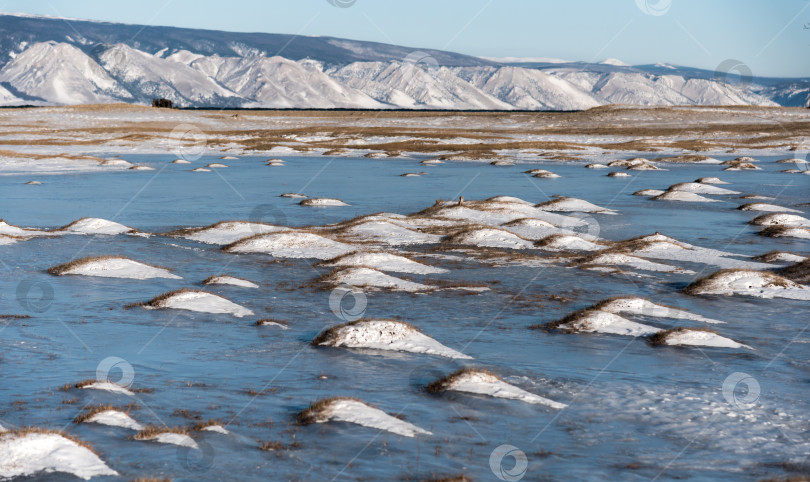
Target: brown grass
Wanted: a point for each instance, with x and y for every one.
(151, 431)
(15, 317)
(93, 411)
(312, 413)
(799, 272)
(440, 385)
(276, 446)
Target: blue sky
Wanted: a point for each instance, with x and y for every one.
(768, 36)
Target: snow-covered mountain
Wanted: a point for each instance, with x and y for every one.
(56, 61)
(62, 74)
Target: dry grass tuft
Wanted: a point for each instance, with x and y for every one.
(277, 446)
(152, 431)
(799, 272)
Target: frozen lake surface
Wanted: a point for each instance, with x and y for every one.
(634, 411)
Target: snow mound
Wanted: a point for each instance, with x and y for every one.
(373, 279)
(771, 208)
(384, 335)
(618, 174)
(639, 306)
(7, 240)
(484, 383)
(112, 267)
(216, 165)
(510, 199)
(181, 161)
(618, 259)
(683, 196)
(116, 163)
(30, 454)
(740, 166)
(711, 180)
(659, 246)
(597, 321)
(227, 232)
(780, 257)
(7, 229)
(649, 192)
(200, 169)
(384, 262)
(293, 195)
(230, 280)
(115, 418)
(542, 174)
(636, 161)
(321, 202)
(699, 188)
(354, 411)
(691, 337)
(596, 166)
(645, 166)
(229, 158)
(291, 245)
(789, 220)
(141, 168)
(198, 301)
(171, 438)
(216, 429)
(107, 387)
(490, 238)
(568, 204)
(748, 282)
(564, 242)
(786, 232)
(390, 233)
(95, 226)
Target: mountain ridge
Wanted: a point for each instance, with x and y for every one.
(53, 61)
